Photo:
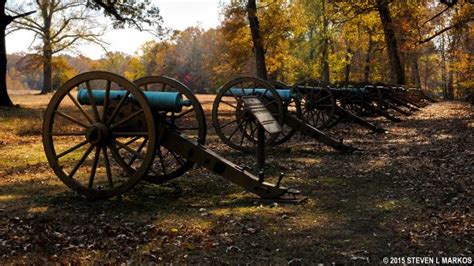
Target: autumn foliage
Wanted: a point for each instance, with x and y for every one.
(331, 40)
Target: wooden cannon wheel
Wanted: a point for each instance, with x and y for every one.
(236, 126)
(353, 99)
(374, 95)
(87, 145)
(190, 120)
(292, 106)
(318, 104)
(357, 103)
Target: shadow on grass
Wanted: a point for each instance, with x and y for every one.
(361, 206)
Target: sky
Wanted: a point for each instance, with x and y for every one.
(177, 14)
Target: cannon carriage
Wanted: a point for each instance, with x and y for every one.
(102, 134)
(236, 127)
(369, 100)
(309, 107)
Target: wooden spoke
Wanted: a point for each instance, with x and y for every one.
(76, 103)
(81, 161)
(236, 129)
(72, 149)
(229, 104)
(318, 117)
(177, 158)
(72, 119)
(132, 140)
(94, 166)
(254, 87)
(226, 124)
(132, 151)
(107, 167)
(122, 101)
(253, 129)
(129, 134)
(92, 101)
(106, 100)
(185, 113)
(59, 134)
(244, 131)
(160, 156)
(264, 93)
(233, 95)
(125, 120)
(137, 154)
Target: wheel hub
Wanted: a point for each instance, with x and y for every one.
(247, 115)
(98, 134)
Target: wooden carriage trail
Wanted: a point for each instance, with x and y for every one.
(409, 192)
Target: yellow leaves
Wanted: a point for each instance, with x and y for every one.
(62, 71)
(136, 69)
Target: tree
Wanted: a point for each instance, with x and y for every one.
(5, 20)
(62, 71)
(60, 25)
(136, 13)
(280, 28)
(257, 39)
(398, 72)
(317, 40)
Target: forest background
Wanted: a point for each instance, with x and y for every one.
(335, 41)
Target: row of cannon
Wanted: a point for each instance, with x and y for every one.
(102, 133)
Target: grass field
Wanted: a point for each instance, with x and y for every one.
(408, 193)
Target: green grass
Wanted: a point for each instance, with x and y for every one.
(354, 209)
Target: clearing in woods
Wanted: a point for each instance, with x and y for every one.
(409, 193)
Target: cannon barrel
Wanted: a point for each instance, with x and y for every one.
(239, 92)
(158, 100)
(285, 94)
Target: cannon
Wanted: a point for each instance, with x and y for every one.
(321, 106)
(236, 127)
(381, 99)
(102, 134)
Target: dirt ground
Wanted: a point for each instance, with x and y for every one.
(408, 193)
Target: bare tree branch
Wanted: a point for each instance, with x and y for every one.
(458, 24)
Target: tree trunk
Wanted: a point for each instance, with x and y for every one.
(4, 21)
(325, 47)
(47, 54)
(347, 68)
(415, 72)
(47, 71)
(396, 67)
(367, 60)
(450, 85)
(257, 39)
(443, 68)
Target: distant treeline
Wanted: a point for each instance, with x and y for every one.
(302, 39)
